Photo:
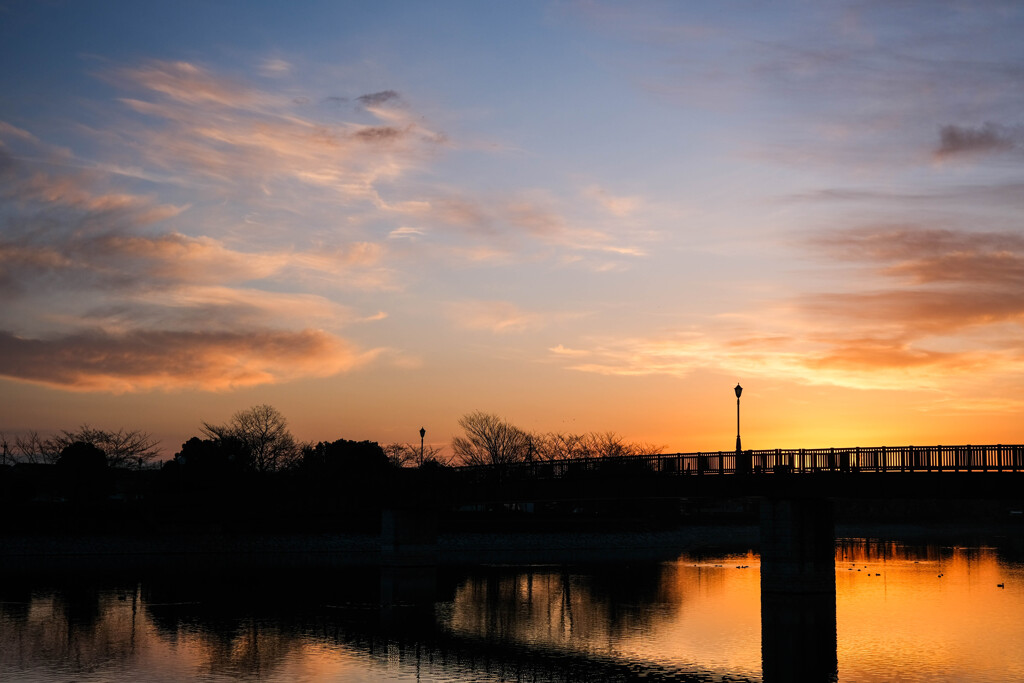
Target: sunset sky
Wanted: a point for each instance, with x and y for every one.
(581, 216)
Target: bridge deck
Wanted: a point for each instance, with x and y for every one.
(969, 458)
(941, 472)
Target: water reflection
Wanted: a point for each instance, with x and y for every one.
(798, 637)
(585, 609)
(908, 612)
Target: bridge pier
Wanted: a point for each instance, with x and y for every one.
(798, 590)
(798, 545)
(408, 572)
(798, 637)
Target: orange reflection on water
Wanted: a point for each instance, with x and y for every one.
(691, 614)
(931, 609)
(63, 635)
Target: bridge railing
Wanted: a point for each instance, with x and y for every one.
(876, 459)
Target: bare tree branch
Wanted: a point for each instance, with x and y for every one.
(489, 440)
(263, 432)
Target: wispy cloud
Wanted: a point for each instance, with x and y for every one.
(275, 67)
(281, 204)
(143, 360)
(378, 98)
(405, 232)
(616, 205)
(929, 255)
(953, 309)
(957, 141)
(499, 317)
(255, 145)
(101, 296)
(512, 224)
(241, 137)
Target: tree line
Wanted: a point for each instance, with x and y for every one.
(258, 440)
(251, 473)
(488, 439)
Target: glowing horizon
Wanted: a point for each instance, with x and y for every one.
(579, 216)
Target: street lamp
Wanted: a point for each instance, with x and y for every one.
(423, 432)
(738, 390)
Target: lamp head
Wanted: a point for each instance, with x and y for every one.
(423, 432)
(739, 390)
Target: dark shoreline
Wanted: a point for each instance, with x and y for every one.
(323, 550)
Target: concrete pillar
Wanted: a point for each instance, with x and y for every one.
(798, 590)
(798, 637)
(408, 544)
(798, 546)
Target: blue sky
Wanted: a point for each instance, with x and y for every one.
(579, 215)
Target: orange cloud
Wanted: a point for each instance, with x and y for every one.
(953, 311)
(957, 279)
(143, 360)
(97, 299)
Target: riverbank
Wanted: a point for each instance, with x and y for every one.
(223, 550)
(330, 550)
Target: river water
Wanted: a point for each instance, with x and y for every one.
(902, 611)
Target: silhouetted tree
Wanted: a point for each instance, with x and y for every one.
(210, 458)
(83, 469)
(344, 457)
(408, 455)
(125, 448)
(263, 433)
(344, 478)
(81, 456)
(558, 446)
(32, 448)
(490, 440)
(607, 445)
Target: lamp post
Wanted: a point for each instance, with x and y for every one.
(738, 390)
(423, 432)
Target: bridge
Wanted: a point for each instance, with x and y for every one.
(877, 459)
(796, 488)
(938, 472)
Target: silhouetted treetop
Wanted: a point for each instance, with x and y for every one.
(411, 455)
(125, 448)
(211, 456)
(344, 456)
(262, 432)
(491, 440)
(81, 457)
